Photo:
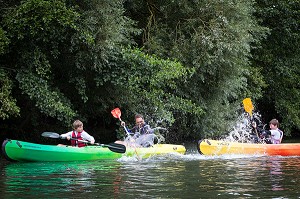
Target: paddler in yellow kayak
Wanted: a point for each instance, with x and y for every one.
(141, 134)
(272, 136)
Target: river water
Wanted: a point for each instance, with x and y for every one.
(173, 176)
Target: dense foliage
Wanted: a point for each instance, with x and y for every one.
(186, 70)
(214, 39)
(279, 59)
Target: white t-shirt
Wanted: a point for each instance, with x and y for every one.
(84, 135)
(275, 136)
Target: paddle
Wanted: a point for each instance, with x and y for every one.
(116, 113)
(118, 148)
(248, 106)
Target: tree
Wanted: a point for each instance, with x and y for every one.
(72, 59)
(279, 58)
(61, 56)
(214, 39)
(8, 105)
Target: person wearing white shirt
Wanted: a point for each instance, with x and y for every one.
(78, 135)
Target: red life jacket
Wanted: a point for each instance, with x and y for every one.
(78, 137)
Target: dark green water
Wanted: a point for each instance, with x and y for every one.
(176, 176)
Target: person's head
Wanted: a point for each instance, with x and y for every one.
(139, 119)
(274, 124)
(78, 126)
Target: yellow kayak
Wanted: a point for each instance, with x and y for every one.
(157, 149)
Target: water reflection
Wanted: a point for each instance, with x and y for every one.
(276, 174)
(177, 176)
(224, 176)
(279, 168)
(53, 179)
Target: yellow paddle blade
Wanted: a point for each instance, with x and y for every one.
(248, 106)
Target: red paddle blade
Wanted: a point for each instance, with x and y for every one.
(116, 113)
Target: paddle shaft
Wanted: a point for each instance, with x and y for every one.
(118, 148)
(128, 134)
(85, 141)
(248, 106)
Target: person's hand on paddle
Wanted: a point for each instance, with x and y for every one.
(122, 123)
(65, 137)
(254, 125)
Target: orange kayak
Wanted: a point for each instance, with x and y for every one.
(219, 147)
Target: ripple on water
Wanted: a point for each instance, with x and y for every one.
(171, 176)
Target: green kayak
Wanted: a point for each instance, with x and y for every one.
(15, 150)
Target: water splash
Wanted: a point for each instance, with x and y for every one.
(146, 140)
(243, 131)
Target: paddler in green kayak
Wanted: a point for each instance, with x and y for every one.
(78, 135)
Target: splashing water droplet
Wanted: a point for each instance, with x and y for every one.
(243, 130)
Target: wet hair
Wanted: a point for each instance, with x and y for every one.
(274, 122)
(77, 123)
(138, 116)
